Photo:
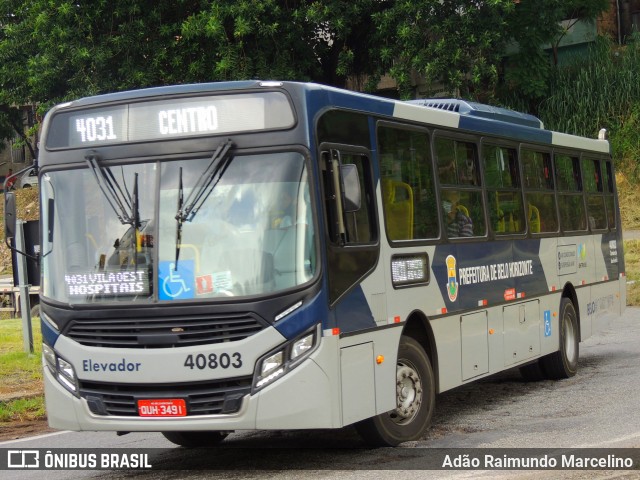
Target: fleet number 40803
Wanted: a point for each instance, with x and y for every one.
(214, 361)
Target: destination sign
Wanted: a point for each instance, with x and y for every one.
(170, 118)
(107, 283)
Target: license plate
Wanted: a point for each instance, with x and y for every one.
(165, 407)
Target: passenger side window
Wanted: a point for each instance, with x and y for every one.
(501, 175)
(593, 185)
(570, 199)
(460, 192)
(406, 182)
(608, 195)
(457, 164)
(540, 199)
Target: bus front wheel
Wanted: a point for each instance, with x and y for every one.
(195, 439)
(415, 400)
(564, 362)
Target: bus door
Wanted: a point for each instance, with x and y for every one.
(355, 286)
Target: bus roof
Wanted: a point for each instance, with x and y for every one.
(450, 113)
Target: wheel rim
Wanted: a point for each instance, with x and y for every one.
(409, 393)
(570, 336)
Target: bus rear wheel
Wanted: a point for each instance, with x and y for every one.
(195, 439)
(564, 362)
(415, 400)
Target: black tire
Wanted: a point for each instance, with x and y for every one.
(195, 439)
(415, 394)
(564, 362)
(533, 372)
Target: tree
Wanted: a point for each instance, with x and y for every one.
(298, 40)
(538, 25)
(57, 50)
(455, 44)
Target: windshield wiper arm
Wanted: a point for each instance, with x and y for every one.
(179, 218)
(135, 217)
(117, 201)
(206, 183)
(201, 190)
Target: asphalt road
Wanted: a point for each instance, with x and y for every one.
(598, 408)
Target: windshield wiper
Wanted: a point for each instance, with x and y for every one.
(125, 205)
(135, 217)
(119, 200)
(179, 218)
(207, 182)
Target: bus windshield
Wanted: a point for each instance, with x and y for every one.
(252, 233)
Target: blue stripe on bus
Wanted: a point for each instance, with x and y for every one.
(353, 312)
(471, 272)
(49, 335)
(309, 314)
(326, 96)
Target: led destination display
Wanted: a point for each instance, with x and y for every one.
(170, 118)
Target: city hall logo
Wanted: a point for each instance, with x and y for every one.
(452, 280)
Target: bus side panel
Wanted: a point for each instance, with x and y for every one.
(368, 373)
(307, 397)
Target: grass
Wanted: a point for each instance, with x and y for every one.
(22, 410)
(21, 395)
(632, 267)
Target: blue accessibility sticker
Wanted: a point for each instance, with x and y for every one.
(547, 323)
(176, 283)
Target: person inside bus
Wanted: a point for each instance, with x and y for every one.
(459, 224)
(282, 215)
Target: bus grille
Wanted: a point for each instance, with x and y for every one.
(202, 398)
(159, 332)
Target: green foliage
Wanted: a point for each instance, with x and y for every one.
(55, 50)
(625, 142)
(298, 40)
(536, 27)
(21, 373)
(22, 409)
(453, 41)
(83, 48)
(11, 344)
(58, 50)
(599, 91)
(632, 264)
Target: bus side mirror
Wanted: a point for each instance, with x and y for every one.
(351, 187)
(9, 215)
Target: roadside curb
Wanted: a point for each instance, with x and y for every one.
(20, 396)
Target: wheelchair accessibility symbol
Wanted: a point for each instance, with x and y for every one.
(547, 323)
(176, 284)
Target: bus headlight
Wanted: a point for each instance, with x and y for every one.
(60, 368)
(49, 357)
(277, 363)
(272, 365)
(302, 346)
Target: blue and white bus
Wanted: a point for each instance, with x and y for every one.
(280, 255)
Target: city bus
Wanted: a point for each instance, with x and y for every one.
(263, 255)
